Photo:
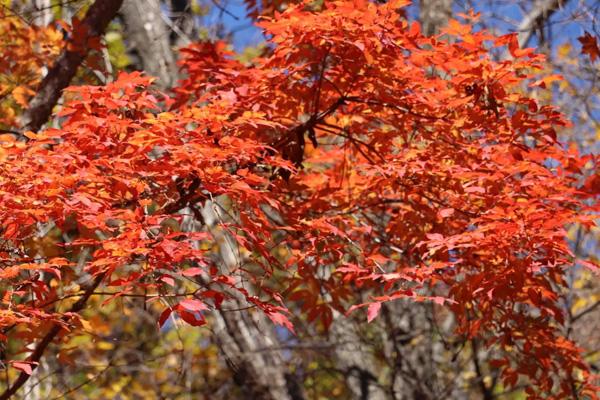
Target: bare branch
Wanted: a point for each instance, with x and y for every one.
(541, 11)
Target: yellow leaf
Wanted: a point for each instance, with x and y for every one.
(21, 94)
(105, 345)
(564, 50)
(86, 325)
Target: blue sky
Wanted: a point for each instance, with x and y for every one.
(565, 26)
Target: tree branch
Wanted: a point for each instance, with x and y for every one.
(542, 10)
(38, 352)
(36, 355)
(59, 77)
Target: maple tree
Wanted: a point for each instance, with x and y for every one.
(356, 163)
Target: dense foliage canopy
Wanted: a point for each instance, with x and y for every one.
(356, 163)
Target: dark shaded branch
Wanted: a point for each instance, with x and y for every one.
(586, 311)
(485, 391)
(59, 77)
(39, 350)
(82, 384)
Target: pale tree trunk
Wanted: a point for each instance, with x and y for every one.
(541, 11)
(43, 12)
(148, 34)
(253, 353)
(246, 338)
(355, 358)
(434, 15)
(31, 387)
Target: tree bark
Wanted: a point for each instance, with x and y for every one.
(43, 12)
(149, 36)
(253, 354)
(356, 359)
(59, 76)
(540, 12)
(434, 15)
(247, 340)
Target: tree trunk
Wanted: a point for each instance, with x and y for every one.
(355, 358)
(541, 11)
(43, 12)
(434, 15)
(148, 34)
(247, 339)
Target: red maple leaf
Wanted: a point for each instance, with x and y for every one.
(589, 46)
